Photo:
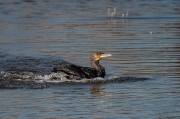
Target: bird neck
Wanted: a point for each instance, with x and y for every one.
(100, 69)
(95, 64)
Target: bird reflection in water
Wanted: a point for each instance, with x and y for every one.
(112, 23)
(104, 101)
(96, 90)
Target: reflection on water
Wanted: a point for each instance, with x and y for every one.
(39, 34)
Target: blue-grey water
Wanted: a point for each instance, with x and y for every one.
(142, 76)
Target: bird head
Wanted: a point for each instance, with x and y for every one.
(99, 55)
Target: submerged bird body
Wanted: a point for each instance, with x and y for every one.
(74, 71)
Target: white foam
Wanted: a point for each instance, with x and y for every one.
(61, 78)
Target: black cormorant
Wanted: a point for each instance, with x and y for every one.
(74, 71)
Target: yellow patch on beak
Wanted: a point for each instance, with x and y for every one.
(99, 57)
(103, 55)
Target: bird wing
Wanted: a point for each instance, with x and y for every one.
(90, 72)
(75, 70)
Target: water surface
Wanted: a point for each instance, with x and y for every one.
(142, 76)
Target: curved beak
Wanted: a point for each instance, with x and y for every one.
(105, 55)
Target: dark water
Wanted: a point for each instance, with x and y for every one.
(142, 79)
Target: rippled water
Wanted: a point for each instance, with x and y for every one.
(142, 78)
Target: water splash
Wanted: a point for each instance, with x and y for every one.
(9, 80)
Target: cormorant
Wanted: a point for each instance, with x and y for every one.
(74, 71)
